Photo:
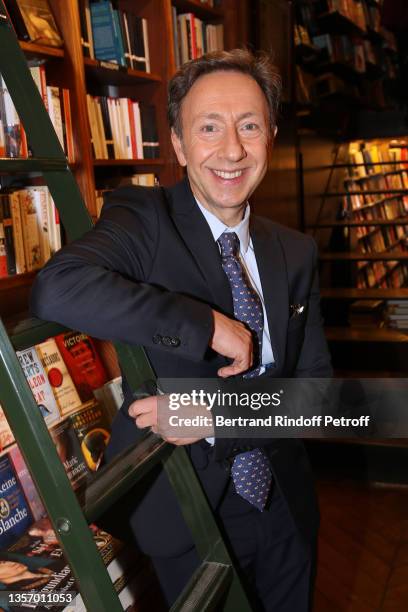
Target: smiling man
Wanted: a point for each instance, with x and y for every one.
(209, 290)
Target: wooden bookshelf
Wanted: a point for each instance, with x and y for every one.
(365, 334)
(41, 51)
(67, 67)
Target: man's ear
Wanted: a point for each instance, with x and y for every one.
(178, 148)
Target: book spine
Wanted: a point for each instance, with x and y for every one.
(132, 128)
(138, 127)
(41, 206)
(68, 125)
(54, 104)
(21, 266)
(8, 234)
(146, 43)
(29, 224)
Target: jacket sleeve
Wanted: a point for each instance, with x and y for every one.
(99, 285)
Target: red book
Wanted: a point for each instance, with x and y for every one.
(83, 362)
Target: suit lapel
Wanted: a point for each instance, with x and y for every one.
(273, 274)
(199, 240)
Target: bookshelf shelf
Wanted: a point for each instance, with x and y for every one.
(200, 9)
(17, 280)
(33, 49)
(365, 334)
(128, 162)
(337, 194)
(111, 74)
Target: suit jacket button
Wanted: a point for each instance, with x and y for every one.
(175, 342)
(166, 340)
(157, 339)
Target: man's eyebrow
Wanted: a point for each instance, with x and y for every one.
(218, 116)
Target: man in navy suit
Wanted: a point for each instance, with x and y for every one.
(170, 269)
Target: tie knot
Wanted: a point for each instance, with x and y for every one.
(229, 243)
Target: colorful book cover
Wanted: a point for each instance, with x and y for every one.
(83, 362)
(69, 451)
(6, 435)
(27, 483)
(40, 22)
(5, 213)
(59, 378)
(37, 562)
(92, 429)
(39, 385)
(15, 514)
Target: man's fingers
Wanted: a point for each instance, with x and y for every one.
(143, 406)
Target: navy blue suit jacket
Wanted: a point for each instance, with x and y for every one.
(149, 274)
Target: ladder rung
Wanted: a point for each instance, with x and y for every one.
(114, 480)
(205, 589)
(33, 164)
(33, 331)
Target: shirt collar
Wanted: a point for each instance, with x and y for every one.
(217, 227)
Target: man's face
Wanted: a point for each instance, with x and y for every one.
(225, 139)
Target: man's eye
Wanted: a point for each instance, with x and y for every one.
(250, 127)
(208, 128)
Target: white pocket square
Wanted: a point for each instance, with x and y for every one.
(296, 310)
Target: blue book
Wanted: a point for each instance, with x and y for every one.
(120, 47)
(104, 32)
(15, 514)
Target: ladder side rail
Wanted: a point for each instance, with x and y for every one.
(49, 476)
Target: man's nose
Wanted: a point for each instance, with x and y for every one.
(232, 147)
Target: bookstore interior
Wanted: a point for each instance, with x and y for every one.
(339, 172)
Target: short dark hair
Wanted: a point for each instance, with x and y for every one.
(259, 66)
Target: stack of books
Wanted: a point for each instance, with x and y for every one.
(13, 140)
(122, 128)
(29, 229)
(193, 37)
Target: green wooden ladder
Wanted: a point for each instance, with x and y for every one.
(215, 584)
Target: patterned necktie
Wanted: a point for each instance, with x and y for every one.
(250, 470)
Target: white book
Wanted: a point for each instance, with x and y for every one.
(89, 29)
(111, 111)
(127, 140)
(129, 45)
(39, 385)
(43, 220)
(55, 227)
(138, 129)
(146, 43)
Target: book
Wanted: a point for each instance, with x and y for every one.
(3, 254)
(69, 451)
(151, 145)
(6, 435)
(92, 428)
(83, 362)
(31, 233)
(27, 483)
(20, 259)
(15, 514)
(110, 396)
(64, 390)
(105, 33)
(39, 385)
(40, 22)
(15, 142)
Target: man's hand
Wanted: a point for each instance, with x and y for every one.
(144, 412)
(232, 339)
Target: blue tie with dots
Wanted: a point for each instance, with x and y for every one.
(250, 470)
